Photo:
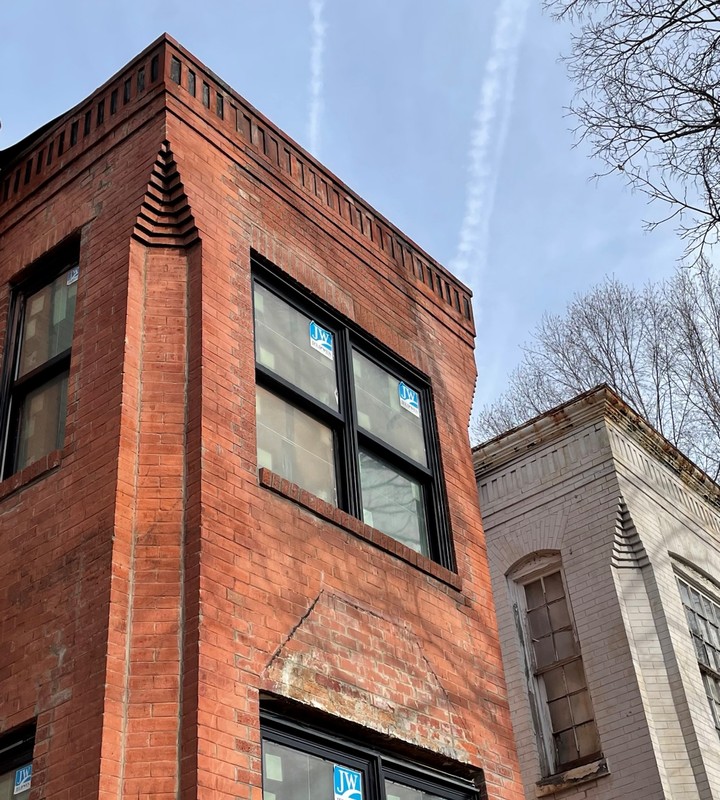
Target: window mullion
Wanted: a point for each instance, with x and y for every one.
(349, 450)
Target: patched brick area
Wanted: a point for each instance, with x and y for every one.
(153, 583)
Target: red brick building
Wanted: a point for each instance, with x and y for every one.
(241, 550)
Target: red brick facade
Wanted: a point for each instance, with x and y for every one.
(154, 584)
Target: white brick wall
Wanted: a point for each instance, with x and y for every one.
(562, 494)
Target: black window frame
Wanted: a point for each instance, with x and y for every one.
(374, 762)
(348, 437)
(14, 390)
(16, 747)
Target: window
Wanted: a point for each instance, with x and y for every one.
(37, 364)
(16, 749)
(703, 617)
(344, 419)
(302, 764)
(568, 733)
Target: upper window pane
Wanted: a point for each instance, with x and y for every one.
(296, 446)
(295, 347)
(48, 322)
(393, 503)
(398, 791)
(388, 408)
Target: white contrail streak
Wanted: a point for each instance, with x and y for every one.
(317, 29)
(490, 129)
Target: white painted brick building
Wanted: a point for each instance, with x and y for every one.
(604, 548)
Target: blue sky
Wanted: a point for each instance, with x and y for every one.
(448, 117)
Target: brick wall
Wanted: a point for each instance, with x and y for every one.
(154, 584)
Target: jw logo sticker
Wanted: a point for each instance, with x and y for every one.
(348, 783)
(321, 340)
(409, 399)
(23, 778)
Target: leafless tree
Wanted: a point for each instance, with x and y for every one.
(648, 77)
(658, 347)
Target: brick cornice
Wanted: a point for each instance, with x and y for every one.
(598, 405)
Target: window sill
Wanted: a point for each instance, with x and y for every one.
(572, 777)
(291, 491)
(30, 474)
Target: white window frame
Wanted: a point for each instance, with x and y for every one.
(530, 569)
(710, 591)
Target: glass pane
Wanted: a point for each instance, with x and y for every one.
(544, 651)
(397, 791)
(295, 445)
(534, 594)
(712, 687)
(42, 421)
(702, 655)
(588, 739)
(564, 644)
(560, 714)
(48, 322)
(684, 593)
(19, 777)
(388, 408)
(581, 707)
(559, 617)
(292, 775)
(393, 503)
(574, 676)
(554, 683)
(715, 636)
(708, 607)
(566, 748)
(539, 622)
(696, 601)
(554, 589)
(295, 347)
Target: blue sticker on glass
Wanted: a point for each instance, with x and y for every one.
(23, 778)
(347, 783)
(321, 340)
(72, 275)
(409, 399)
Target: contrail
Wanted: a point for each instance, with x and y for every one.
(316, 74)
(488, 137)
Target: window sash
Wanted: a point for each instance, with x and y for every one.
(350, 438)
(702, 614)
(21, 377)
(568, 739)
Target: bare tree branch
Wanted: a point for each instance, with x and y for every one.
(658, 347)
(647, 74)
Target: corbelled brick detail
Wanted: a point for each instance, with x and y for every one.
(165, 219)
(628, 549)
